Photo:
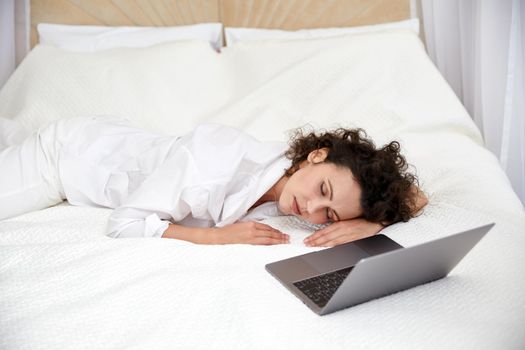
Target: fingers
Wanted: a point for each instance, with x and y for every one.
(334, 234)
(343, 232)
(269, 241)
(261, 226)
(319, 237)
(266, 235)
(278, 236)
(324, 239)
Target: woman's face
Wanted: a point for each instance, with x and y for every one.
(321, 192)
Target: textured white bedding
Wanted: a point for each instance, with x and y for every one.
(63, 284)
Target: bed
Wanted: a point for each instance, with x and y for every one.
(65, 285)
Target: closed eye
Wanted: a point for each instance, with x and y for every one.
(335, 216)
(323, 191)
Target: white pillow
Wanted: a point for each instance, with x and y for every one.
(86, 38)
(234, 35)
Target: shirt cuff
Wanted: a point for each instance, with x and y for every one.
(154, 226)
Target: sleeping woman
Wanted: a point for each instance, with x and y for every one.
(213, 185)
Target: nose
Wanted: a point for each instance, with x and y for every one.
(315, 205)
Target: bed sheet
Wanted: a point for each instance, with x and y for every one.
(66, 285)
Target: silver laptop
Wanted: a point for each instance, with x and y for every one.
(355, 272)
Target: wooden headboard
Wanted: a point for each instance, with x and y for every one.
(282, 14)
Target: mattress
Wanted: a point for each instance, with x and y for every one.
(64, 284)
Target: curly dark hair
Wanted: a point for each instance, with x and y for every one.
(387, 193)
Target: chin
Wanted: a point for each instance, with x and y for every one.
(282, 210)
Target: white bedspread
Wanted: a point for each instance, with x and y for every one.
(64, 285)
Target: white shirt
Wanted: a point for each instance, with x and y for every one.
(210, 177)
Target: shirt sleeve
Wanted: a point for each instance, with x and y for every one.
(129, 222)
(165, 195)
(211, 163)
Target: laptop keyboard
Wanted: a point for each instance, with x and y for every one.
(321, 288)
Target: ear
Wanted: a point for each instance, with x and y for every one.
(318, 155)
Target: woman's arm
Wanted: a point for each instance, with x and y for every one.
(342, 232)
(238, 233)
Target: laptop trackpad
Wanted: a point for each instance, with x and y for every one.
(335, 258)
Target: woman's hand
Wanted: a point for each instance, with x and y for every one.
(342, 232)
(250, 232)
(241, 232)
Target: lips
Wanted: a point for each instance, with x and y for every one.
(295, 207)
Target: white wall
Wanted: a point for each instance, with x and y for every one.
(14, 35)
(7, 39)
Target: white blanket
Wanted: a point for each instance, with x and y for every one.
(63, 284)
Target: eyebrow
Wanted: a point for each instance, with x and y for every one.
(332, 196)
